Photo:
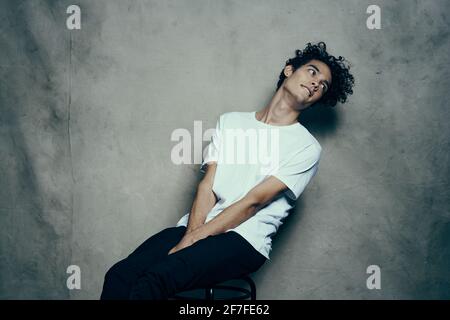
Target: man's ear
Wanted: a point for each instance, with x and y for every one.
(288, 70)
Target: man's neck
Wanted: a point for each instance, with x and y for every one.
(279, 111)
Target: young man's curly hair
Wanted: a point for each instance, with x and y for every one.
(342, 81)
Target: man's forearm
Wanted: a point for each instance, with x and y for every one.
(229, 218)
(204, 201)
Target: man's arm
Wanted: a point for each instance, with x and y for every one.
(241, 210)
(235, 214)
(204, 200)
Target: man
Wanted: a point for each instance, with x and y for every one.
(238, 206)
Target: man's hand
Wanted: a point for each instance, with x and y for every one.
(186, 241)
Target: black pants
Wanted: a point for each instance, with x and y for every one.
(150, 273)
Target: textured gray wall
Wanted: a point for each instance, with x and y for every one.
(86, 118)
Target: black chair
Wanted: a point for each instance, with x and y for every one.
(211, 292)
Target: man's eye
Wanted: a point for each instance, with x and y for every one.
(313, 72)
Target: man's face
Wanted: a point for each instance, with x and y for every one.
(308, 83)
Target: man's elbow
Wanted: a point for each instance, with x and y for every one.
(253, 200)
(260, 199)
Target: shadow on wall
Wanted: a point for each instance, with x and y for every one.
(320, 120)
(438, 261)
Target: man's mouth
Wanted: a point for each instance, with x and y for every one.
(309, 92)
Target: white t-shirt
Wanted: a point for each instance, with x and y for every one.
(289, 153)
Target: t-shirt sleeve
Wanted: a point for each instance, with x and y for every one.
(298, 170)
(211, 152)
